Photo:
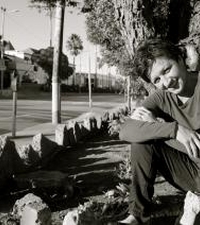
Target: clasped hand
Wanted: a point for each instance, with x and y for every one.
(190, 139)
(143, 114)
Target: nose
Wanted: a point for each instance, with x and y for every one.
(165, 81)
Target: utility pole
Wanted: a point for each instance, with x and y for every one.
(95, 79)
(58, 41)
(50, 23)
(128, 92)
(89, 83)
(3, 10)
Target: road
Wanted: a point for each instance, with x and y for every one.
(33, 112)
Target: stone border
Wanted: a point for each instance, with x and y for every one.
(16, 160)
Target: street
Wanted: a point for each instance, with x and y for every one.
(32, 112)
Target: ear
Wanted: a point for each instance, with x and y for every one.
(192, 57)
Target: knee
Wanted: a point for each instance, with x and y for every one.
(197, 184)
(141, 151)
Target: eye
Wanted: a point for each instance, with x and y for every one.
(157, 80)
(165, 71)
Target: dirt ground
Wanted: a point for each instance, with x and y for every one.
(92, 167)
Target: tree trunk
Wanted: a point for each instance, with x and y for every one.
(141, 19)
(134, 27)
(58, 41)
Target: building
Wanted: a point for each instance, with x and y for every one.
(27, 71)
(104, 78)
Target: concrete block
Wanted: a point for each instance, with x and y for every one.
(8, 155)
(43, 146)
(61, 135)
(29, 157)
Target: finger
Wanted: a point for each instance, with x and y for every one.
(189, 150)
(138, 112)
(142, 113)
(197, 146)
(142, 110)
(198, 135)
(136, 117)
(145, 109)
(197, 140)
(194, 150)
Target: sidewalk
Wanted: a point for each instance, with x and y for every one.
(25, 136)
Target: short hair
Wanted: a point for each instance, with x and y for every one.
(148, 51)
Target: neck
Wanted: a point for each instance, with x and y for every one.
(190, 84)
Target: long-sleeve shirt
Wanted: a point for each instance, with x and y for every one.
(169, 107)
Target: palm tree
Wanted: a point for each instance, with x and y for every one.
(75, 46)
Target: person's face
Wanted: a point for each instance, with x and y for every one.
(168, 74)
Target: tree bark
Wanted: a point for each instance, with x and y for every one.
(130, 18)
(58, 41)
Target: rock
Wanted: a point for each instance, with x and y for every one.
(20, 204)
(43, 146)
(28, 155)
(44, 149)
(71, 135)
(72, 218)
(8, 155)
(61, 136)
(36, 214)
(36, 154)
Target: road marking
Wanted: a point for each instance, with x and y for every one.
(10, 117)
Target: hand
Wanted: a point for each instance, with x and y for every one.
(190, 139)
(143, 114)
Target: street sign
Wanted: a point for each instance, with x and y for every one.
(14, 81)
(2, 65)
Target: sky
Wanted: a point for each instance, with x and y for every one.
(26, 27)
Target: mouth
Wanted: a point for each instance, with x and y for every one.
(173, 84)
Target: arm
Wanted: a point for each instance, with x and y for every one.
(140, 131)
(144, 126)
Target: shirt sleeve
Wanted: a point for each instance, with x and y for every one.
(140, 131)
(155, 103)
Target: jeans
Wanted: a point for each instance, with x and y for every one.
(149, 158)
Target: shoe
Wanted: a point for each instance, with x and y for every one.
(191, 208)
(129, 220)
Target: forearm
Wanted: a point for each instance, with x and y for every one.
(141, 131)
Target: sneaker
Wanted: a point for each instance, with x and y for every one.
(191, 208)
(192, 201)
(129, 220)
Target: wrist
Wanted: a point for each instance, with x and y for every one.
(176, 129)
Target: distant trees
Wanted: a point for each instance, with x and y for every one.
(74, 45)
(44, 58)
(103, 30)
(118, 26)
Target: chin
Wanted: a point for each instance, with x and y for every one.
(175, 91)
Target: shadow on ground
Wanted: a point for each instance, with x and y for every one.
(93, 165)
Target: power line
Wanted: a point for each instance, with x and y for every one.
(22, 27)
